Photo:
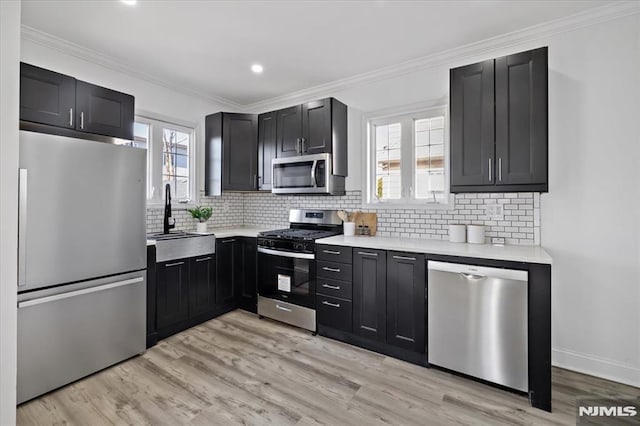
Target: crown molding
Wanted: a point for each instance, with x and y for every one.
(64, 46)
(458, 55)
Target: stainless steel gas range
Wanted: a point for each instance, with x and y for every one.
(287, 267)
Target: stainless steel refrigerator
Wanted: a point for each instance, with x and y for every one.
(81, 259)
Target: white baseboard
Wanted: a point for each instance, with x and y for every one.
(595, 366)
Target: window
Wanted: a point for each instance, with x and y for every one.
(169, 158)
(408, 159)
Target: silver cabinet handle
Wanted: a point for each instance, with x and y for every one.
(332, 287)
(490, 169)
(282, 308)
(404, 258)
(500, 169)
(174, 264)
(70, 117)
(22, 227)
(78, 292)
(298, 149)
(229, 241)
(333, 305)
(326, 268)
(82, 119)
(332, 252)
(302, 150)
(366, 253)
(203, 259)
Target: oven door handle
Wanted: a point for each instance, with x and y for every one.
(309, 256)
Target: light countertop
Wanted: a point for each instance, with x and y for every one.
(241, 231)
(529, 254)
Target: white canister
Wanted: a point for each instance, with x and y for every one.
(457, 233)
(349, 229)
(475, 234)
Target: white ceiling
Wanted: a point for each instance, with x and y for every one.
(209, 46)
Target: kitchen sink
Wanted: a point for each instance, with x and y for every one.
(181, 245)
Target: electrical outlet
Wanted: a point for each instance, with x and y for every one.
(225, 207)
(494, 211)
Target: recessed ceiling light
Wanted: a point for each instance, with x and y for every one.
(129, 2)
(256, 68)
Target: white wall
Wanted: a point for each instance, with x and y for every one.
(9, 101)
(162, 102)
(590, 225)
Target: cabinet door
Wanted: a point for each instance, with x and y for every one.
(47, 97)
(266, 149)
(239, 152)
(521, 118)
(228, 269)
(406, 300)
(289, 131)
(104, 111)
(316, 127)
(248, 297)
(472, 126)
(172, 283)
(370, 293)
(202, 285)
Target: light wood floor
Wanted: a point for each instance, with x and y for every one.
(239, 369)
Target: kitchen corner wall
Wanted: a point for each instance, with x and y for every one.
(227, 212)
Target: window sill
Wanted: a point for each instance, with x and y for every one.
(175, 205)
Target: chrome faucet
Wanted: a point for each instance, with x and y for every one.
(168, 225)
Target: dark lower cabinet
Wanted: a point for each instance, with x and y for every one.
(172, 288)
(248, 295)
(47, 97)
(334, 312)
(406, 282)
(202, 285)
(229, 269)
(104, 111)
(370, 293)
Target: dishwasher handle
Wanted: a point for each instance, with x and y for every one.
(476, 272)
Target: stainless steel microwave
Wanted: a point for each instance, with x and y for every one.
(306, 174)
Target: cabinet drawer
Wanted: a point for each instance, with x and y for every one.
(334, 253)
(334, 271)
(341, 289)
(335, 313)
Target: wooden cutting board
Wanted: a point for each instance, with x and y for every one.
(366, 219)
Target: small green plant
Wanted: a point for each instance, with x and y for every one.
(201, 213)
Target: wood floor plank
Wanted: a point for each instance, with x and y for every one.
(238, 369)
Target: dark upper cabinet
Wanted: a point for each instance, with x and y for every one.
(248, 289)
(104, 111)
(315, 127)
(172, 286)
(47, 97)
(267, 149)
(521, 118)
(202, 285)
(472, 127)
(228, 269)
(499, 132)
(406, 281)
(231, 152)
(289, 131)
(369, 293)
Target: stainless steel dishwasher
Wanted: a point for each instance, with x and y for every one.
(477, 322)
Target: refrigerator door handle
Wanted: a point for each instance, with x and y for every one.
(69, 294)
(22, 228)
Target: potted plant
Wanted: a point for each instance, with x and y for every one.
(202, 214)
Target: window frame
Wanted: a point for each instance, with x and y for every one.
(404, 115)
(155, 189)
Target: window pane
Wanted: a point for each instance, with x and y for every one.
(388, 156)
(429, 149)
(141, 135)
(175, 162)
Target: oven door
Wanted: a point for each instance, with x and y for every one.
(287, 276)
(306, 174)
